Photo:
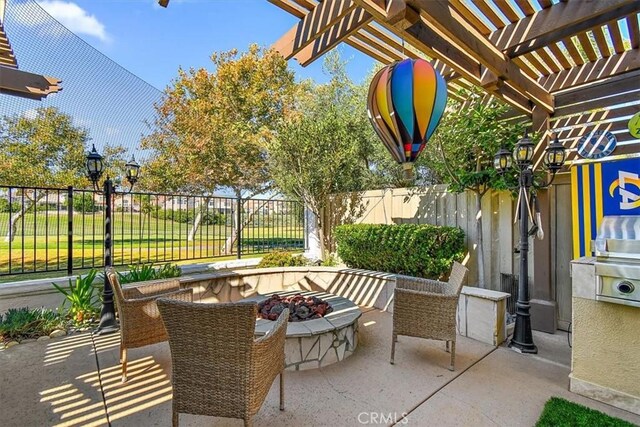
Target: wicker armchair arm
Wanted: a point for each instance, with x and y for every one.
(421, 285)
(180, 295)
(151, 289)
(280, 328)
(433, 304)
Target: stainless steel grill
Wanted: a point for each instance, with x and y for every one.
(618, 260)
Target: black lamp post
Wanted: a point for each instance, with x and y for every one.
(95, 168)
(554, 157)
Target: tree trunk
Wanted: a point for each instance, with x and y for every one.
(13, 226)
(194, 228)
(322, 238)
(480, 251)
(197, 221)
(228, 244)
(13, 222)
(238, 228)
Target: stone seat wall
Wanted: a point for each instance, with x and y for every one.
(367, 289)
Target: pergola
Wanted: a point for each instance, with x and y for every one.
(17, 82)
(563, 65)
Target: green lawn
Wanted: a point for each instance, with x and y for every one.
(41, 242)
(559, 412)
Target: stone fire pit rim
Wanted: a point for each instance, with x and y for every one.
(345, 312)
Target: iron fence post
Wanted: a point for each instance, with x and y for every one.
(108, 322)
(239, 227)
(69, 230)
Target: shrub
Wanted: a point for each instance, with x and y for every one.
(411, 249)
(187, 216)
(82, 299)
(4, 206)
(84, 203)
(168, 271)
(23, 323)
(282, 259)
(330, 261)
(144, 272)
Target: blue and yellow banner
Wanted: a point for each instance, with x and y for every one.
(598, 190)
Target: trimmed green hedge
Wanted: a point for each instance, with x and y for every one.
(411, 249)
(282, 259)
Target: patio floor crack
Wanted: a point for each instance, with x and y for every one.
(436, 391)
(104, 398)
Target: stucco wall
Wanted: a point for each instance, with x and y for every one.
(606, 345)
(605, 362)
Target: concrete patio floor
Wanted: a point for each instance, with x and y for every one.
(75, 381)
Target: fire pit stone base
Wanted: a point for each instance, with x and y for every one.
(318, 351)
(317, 343)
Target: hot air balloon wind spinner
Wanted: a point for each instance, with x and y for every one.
(405, 104)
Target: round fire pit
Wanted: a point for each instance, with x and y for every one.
(317, 342)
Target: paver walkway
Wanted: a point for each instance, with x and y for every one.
(75, 381)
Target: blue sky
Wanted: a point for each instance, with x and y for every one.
(135, 38)
(152, 42)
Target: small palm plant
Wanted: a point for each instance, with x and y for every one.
(81, 297)
(138, 273)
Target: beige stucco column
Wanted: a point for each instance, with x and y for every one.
(605, 357)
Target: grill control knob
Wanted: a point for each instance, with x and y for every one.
(625, 287)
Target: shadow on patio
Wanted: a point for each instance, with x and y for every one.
(76, 381)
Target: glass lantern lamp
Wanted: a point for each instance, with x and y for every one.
(132, 169)
(95, 165)
(555, 155)
(502, 160)
(523, 151)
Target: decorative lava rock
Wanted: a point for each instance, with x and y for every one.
(300, 307)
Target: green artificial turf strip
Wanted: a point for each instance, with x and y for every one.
(560, 412)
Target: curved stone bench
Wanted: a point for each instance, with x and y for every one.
(316, 343)
(365, 288)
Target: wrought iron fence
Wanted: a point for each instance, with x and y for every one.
(62, 229)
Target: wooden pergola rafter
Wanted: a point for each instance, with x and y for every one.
(16, 82)
(524, 52)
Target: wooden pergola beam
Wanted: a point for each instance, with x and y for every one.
(292, 9)
(312, 26)
(7, 57)
(442, 16)
(406, 23)
(589, 97)
(350, 24)
(592, 71)
(558, 22)
(27, 85)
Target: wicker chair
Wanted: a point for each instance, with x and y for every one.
(427, 309)
(218, 368)
(140, 322)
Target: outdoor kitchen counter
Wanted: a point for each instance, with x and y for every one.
(605, 339)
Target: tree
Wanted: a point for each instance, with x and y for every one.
(84, 203)
(41, 151)
(212, 127)
(321, 156)
(469, 135)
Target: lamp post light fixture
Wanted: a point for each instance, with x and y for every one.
(554, 157)
(95, 169)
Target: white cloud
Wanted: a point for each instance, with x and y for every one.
(30, 114)
(75, 18)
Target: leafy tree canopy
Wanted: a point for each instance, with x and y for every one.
(212, 127)
(469, 135)
(44, 150)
